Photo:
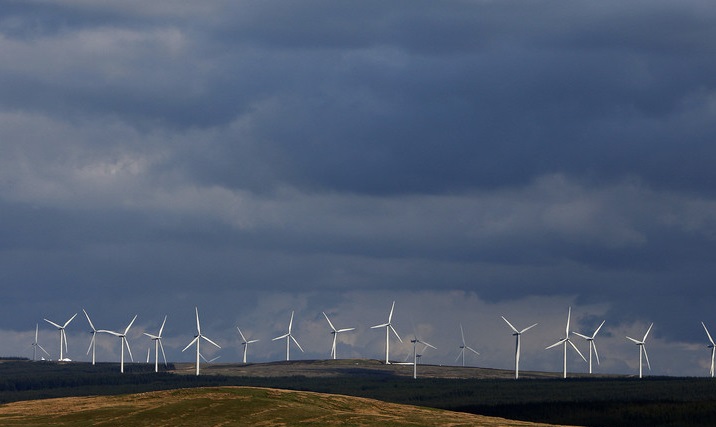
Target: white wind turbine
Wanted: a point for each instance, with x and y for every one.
(93, 342)
(123, 342)
(388, 327)
(63, 336)
(415, 342)
(564, 341)
(592, 344)
(517, 335)
(289, 338)
(245, 343)
(642, 350)
(712, 346)
(335, 333)
(36, 345)
(157, 345)
(463, 346)
(197, 339)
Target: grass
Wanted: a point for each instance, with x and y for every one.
(229, 406)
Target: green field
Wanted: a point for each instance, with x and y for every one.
(586, 401)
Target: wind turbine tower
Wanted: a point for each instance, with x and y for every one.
(712, 346)
(93, 342)
(463, 347)
(564, 341)
(642, 350)
(245, 343)
(415, 342)
(335, 333)
(63, 336)
(517, 334)
(123, 342)
(36, 345)
(592, 344)
(197, 339)
(289, 337)
(388, 327)
(157, 345)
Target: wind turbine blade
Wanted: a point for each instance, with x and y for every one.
(396, 334)
(252, 341)
(191, 343)
(702, 324)
(64, 334)
(647, 332)
(149, 351)
(203, 358)
(646, 356)
(597, 331)
(329, 321)
(594, 346)
(580, 335)
(472, 350)
(91, 342)
(217, 345)
(299, 345)
(569, 316)
(68, 322)
(462, 335)
(556, 344)
(290, 323)
(460, 353)
(162, 328)
(130, 324)
(129, 350)
(428, 345)
(48, 354)
(53, 324)
(382, 325)
(198, 326)
(88, 319)
(345, 330)
(154, 337)
(163, 354)
(510, 324)
(278, 338)
(390, 316)
(528, 328)
(242, 334)
(116, 334)
(633, 340)
(577, 350)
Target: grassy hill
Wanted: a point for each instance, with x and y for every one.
(229, 406)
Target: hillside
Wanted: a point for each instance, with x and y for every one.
(229, 406)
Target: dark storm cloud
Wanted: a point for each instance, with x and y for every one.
(331, 154)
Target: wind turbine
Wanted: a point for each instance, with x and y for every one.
(564, 342)
(197, 339)
(415, 342)
(93, 342)
(463, 346)
(388, 327)
(36, 345)
(63, 336)
(289, 338)
(123, 342)
(335, 333)
(245, 343)
(642, 349)
(517, 335)
(157, 345)
(712, 346)
(592, 344)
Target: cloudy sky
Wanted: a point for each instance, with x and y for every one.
(468, 159)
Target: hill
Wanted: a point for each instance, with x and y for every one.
(228, 406)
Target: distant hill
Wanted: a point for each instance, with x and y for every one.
(229, 406)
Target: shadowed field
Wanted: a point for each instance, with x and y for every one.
(229, 406)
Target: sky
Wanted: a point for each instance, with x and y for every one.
(466, 159)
